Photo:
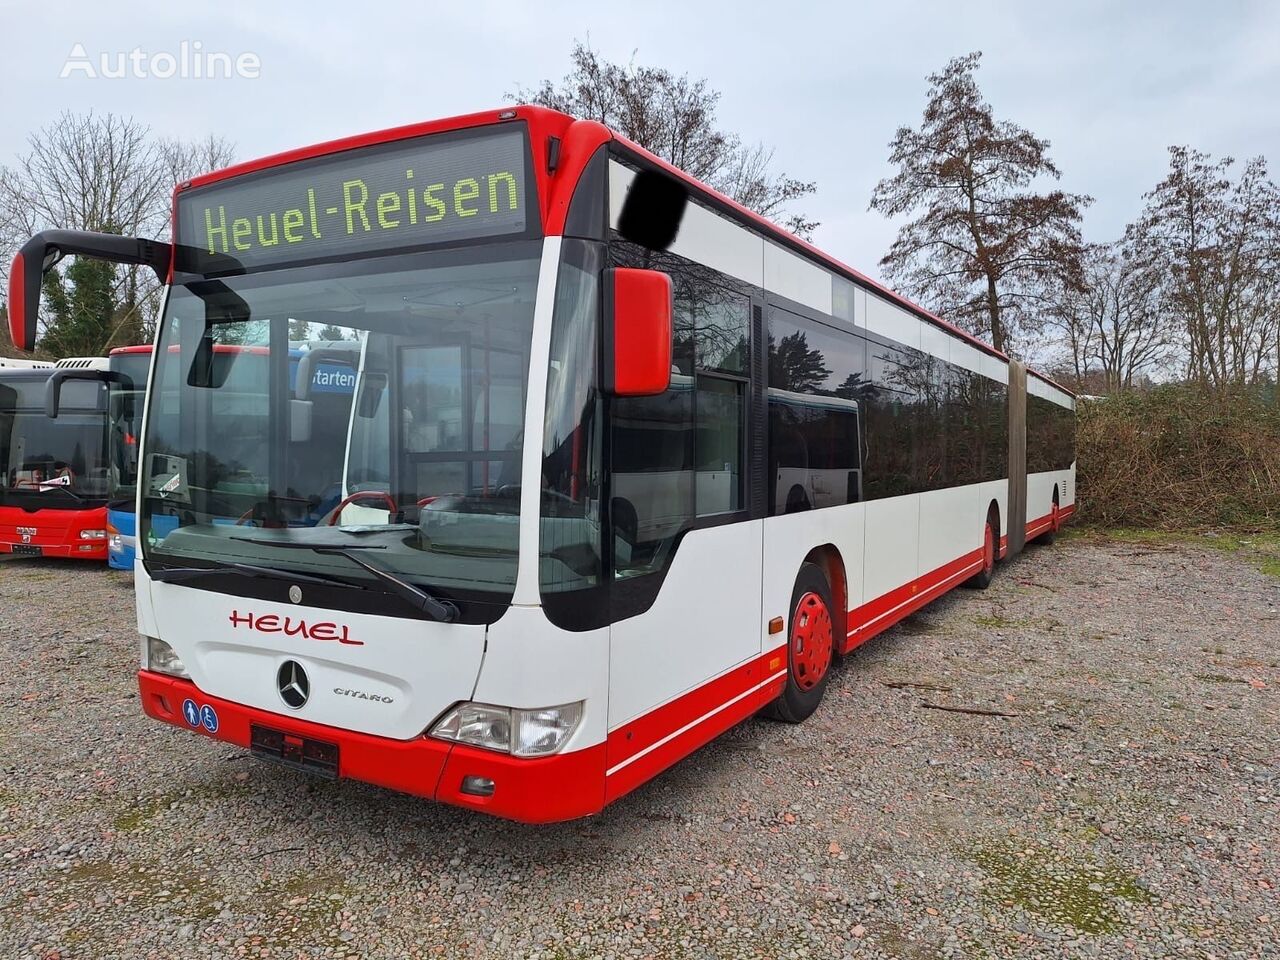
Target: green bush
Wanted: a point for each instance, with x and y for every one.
(1178, 457)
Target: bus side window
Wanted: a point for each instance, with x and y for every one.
(682, 454)
(652, 474)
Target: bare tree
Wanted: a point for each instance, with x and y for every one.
(182, 160)
(1114, 324)
(105, 173)
(983, 244)
(675, 118)
(1217, 246)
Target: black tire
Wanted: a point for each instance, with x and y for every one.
(991, 544)
(802, 695)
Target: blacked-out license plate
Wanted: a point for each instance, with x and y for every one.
(27, 550)
(301, 753)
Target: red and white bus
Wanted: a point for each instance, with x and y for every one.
(53, 495)
(624, 464)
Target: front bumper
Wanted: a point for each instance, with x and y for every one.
(544, 790)
(67, 551)
(54, 531)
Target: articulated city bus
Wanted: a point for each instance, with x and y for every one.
(623, 463)
(54, 490)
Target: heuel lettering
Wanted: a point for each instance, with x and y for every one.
(325, 630)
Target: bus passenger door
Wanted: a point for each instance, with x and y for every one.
(686, 554)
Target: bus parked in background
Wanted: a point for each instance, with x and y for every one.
(333, 382)
(18, 363)
(623, 463)
(128, 393)
(54, 491)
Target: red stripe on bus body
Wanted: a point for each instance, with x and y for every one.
(1040, 524)
(880, 614)
(643, 747)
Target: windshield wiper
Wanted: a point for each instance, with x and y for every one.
(294, 545)
(441, 610)
(178, 574)
(53, 488)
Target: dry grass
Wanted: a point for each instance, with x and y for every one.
(1176, 458)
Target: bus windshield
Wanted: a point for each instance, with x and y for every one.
(375, 404)
(58, 463)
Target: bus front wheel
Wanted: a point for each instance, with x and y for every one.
(810, 647)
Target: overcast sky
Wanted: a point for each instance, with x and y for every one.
(1111, 85)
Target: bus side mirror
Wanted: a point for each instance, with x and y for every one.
(46, 248)
(53, 387)
(300, 420)
(637, 332)
(25, 278)
(369, 397)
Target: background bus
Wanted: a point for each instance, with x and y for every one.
(128, 394)
(332, 385)
(54, 491)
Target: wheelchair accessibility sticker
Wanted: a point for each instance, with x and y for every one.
(200, 716)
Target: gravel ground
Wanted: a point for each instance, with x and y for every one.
(1126, 805)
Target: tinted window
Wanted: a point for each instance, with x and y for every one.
(682, 454)
(1050, 435)
(891, 420)
(719, 445)
(817, 386)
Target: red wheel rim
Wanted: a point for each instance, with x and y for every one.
(988, 550)
(810, 641)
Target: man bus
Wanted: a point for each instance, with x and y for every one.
(559, 561)
(53, 492)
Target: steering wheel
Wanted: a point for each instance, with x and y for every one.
(385, 497)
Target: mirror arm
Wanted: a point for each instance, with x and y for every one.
(49, 246)
(38, 255)
(53, 389)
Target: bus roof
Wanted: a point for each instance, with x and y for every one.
(556, 178)
(23, 374)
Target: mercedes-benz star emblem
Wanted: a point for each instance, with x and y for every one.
(293, 684)
(295, 593)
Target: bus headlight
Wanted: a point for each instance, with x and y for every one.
(161, 658)
(115, 543)
(522, 733)
(93, 534)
